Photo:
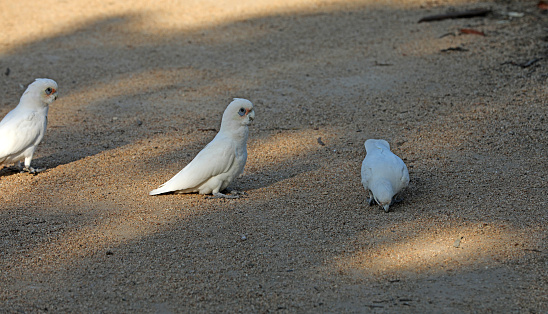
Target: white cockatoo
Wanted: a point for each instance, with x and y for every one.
(221, 161)
(383, 173)
(23, 128)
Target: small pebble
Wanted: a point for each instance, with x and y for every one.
(457, 242)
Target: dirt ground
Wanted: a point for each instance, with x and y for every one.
(142, 85)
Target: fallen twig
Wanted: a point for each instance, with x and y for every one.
(448, 34)
(456, 15)
(529, 63)
(524, 64)
(471, 31)
(454, 49)
(372, 306)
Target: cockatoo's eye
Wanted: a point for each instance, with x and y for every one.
(241, 112)
(48, 90)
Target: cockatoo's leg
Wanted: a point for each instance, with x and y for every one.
(28, 168)
(371, 199)
(396, 199)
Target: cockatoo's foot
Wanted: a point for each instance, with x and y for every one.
(221, 195)
(32, 170)
(237, 193)
(371, 199)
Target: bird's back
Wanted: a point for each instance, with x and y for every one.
(382, 164)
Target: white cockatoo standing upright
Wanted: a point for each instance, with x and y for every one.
(221, 161)
(23, 128)
(383, 173)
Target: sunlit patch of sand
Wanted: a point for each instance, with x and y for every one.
(25, 21)
(285, 145)
(400, 252)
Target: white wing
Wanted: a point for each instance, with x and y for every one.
(216, 158)
(18, 132)
(404, 179)
(367, 171)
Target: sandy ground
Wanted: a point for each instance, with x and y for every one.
(141, 86)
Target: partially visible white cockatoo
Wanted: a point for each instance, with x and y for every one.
(383, 173)
(23, 128)
(221, 161)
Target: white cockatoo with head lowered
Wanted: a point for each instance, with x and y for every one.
(383, 173)
(23, 128)
(221, 161)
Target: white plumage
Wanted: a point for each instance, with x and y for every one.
(23, 128)
(221, 161)
(383, 173)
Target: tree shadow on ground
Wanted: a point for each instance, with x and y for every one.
(119, 249)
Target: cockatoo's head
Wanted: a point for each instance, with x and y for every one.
(383, 193)
(42, 90)
(239, 113)
(372, 144)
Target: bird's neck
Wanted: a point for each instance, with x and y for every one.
(31, 101)
(236, 132)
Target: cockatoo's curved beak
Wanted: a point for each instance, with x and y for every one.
(252, 115)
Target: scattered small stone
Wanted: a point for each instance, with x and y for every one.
(457, 242)
(515, 14)
(320, 141)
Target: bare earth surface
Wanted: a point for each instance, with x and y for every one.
(142, 89)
